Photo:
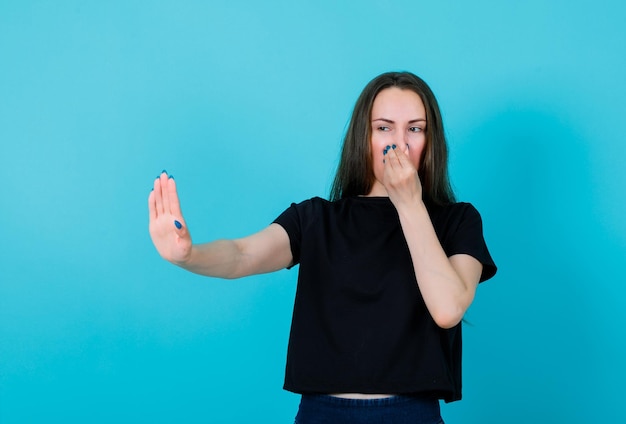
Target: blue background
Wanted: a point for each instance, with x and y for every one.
(246, 104)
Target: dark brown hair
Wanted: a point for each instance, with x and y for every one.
(355, 173)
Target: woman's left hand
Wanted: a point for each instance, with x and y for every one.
(400, 178)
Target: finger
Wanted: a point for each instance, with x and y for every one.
(152, 205)
(164, 192)
(393, 158)
(403, 157)
(172, 196)
(158, 197)
(386, 157)
(181, 229)
(174, 205)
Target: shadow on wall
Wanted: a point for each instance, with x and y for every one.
(558, 266)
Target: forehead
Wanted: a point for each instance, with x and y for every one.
(398, 102)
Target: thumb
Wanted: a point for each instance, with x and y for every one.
(181, 230)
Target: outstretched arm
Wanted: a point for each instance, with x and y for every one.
(265, 251)
(447, 284)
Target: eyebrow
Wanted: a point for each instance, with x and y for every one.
(389, 121)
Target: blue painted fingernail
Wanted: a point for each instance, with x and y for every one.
(385, 152)
(393, 147)
(164, 172)
(178, 224)
(171, 177)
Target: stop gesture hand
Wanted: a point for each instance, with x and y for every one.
(167, 225)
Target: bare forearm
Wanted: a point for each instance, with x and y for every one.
(266, 251)
(445, 293)
(220, 258)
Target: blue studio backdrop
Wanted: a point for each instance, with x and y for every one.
(245, 103)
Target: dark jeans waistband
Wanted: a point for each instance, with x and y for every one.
(320, 409)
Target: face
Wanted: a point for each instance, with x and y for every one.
(398, 117)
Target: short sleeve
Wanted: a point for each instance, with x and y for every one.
(290, 221)
(467, 238)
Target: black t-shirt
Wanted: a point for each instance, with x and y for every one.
(359, 323)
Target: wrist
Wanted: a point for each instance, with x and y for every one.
(186, 259)
(411, 207)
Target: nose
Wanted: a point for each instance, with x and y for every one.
(402, 141)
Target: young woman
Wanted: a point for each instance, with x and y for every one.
(388, 266)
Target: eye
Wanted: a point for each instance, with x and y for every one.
(415, 129)
(383, 128)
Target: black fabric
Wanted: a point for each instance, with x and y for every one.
(360, 324)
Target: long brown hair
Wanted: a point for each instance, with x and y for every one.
(355, 173)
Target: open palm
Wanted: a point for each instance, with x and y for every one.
(167, 227)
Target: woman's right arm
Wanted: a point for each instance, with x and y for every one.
(266, 251)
